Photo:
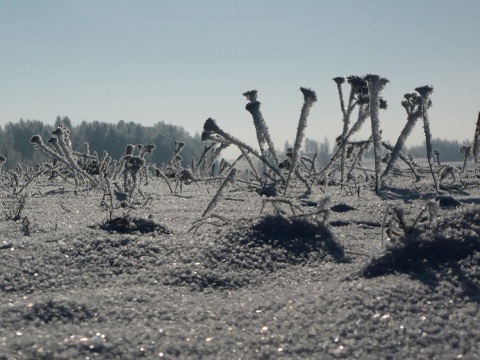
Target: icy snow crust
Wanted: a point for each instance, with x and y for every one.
(262, 286)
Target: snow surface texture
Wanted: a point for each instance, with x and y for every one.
(262, 286)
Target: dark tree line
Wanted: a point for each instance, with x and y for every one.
(16, 147)
(449, 150)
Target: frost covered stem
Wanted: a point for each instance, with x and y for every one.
(210, 126)
(425, 92)
(476, 140)
(263, 133)
(309, 98)
(375, 85)
(412, 104)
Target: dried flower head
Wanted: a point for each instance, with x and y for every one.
(424, 91)
(211, 126)
(58, 131)
(37, 139)
(179, 145)
(356, 81)
(376, 79)
(149, 148)
(251, 95)
(129, 149)
(308, 95)
(339, 80)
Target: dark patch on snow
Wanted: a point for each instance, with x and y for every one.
(341, 208)
(133, 225)
(59, 311)
(446, 201)
(337, 223)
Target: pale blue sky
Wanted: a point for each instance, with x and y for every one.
(184, 61)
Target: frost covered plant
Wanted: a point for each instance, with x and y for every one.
(375, 86)
(61, 152)
(476, 141)
(309, 98)
(263, 134)
(212, 131)
(466, 150)
(412, 103)
(356, 97)
(426, 103)
(121, 163)
(446, 170)
(133, 165)
(395, 225)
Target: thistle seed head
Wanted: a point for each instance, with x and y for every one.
(211, 126)
(149, 148)
(179, 145)
(251, 95)
(356, 82)
(339, 80)
(376, 80)
(37, 140)
(424, 91)
(129, 149)
(308, 95)
(57, 132)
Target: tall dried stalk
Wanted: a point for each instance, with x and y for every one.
(263, 133)
(210, 126)
(476, 141)
(358, 96)
(413, 106)
(221, 191)
(375, 86)
(425, 92)
(309, 98)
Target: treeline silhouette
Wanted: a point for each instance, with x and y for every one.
(16, 147)
(449, 150)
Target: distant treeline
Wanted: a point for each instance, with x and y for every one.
(16, 147)
(449, 150)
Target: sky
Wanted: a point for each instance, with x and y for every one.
(184, 61)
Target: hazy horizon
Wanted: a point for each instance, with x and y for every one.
(185, 61)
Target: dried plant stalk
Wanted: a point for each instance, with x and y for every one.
(476, 141)
(425, 92)
(375, 86)
(221, 191)
(412, 104)
(309, 98)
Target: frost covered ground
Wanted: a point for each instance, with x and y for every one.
(262, 286)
